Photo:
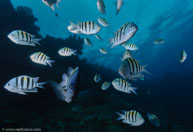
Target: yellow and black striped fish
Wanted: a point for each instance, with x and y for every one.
(105, 85)
(103, 22)
(130, 46)
(41, 58)
(131, 117)
(23, 84)
(23, 38)
(66, 51)
(153, 119)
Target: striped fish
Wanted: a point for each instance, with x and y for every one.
(23, 84)
(66, 52)
(41, 58)
(119, 4)
(23, 38)
(153, 119)
(87, 42)
(123, 86)
(101, 6)
(131, 69)
(124, 34)
(97, 78)
(130, 46)
(103, 51)
(103, 22)
(131, 117)
(87, 28)
(51, 3)
(105, 85)
(127, 54)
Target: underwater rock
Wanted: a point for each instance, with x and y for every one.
(114, 128)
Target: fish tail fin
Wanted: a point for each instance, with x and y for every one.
(121, 116)
(52, 7)
(110, 42)
(49, 62)
(40, 85)
(133, 89)
(74, 52)
(145, 70)
(74, 26)
(36, 41)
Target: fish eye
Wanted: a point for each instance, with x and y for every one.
(8, 84)
(131, 26)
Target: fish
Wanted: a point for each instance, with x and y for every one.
(41, 58)
(119, 4)
(103, 51)
(183, 56)
(123, 86)
(131, 69)
(65, 90)
(127, 54)
(23, 84)
(103, 22)
(98, 37)
(159, 41)
(101, 6)
(23, 38)
(87, 28)
(124, 34)
(97, 78)
(65, 51)
(132, 117)
(87, 42)
(153, 119)
(105, 85)
(51, 3)
(130, 46)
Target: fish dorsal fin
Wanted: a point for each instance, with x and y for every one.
(64, 80)
(69, 72)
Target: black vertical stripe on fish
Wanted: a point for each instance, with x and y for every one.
(41, 57)
(89, 26)
(22, 82)
(130, 115)
(39, 53)
(16, 82)
(18, 34)
(134, 113)
(28, 83)
(22, 36)
(130, 66)
(93, 25)
(133, 66)
(136, 66)
(85, 23)
(44, 59)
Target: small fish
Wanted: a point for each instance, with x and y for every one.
(41, 58)
(51, 3)
(130, 46)
(131, 69)
(103, 22)
(105, 85)
(127, 54)
(119, 4)
(131, 117)
(159, 41)
(97, 78)
(183, 56)
(98, 37)
(24, 84)
(66, 89)
(87, 28)
(101, 6)
(123, 86)
(23, 38)
(153, 119)
(66, 52)
(124, 34)
(87, 42)
(103, 51)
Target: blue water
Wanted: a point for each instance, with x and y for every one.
(170, 83)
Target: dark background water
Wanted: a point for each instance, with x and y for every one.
(92, 109)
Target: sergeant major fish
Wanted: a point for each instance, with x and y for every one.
(103, 22)
(87, 28)
(127, 54)
(97, 77)
(66, 89)
(87, 42)
(131, 69)
(98, 37)
(101, 6)
(123, 86)
(131, 117)
(103, 51)
(41, 58)
(23, 38)
(124, 34)
(66, 51)
(105, 85)
(153, 119)
(23, 84)
(119, 4)
(130, 46)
